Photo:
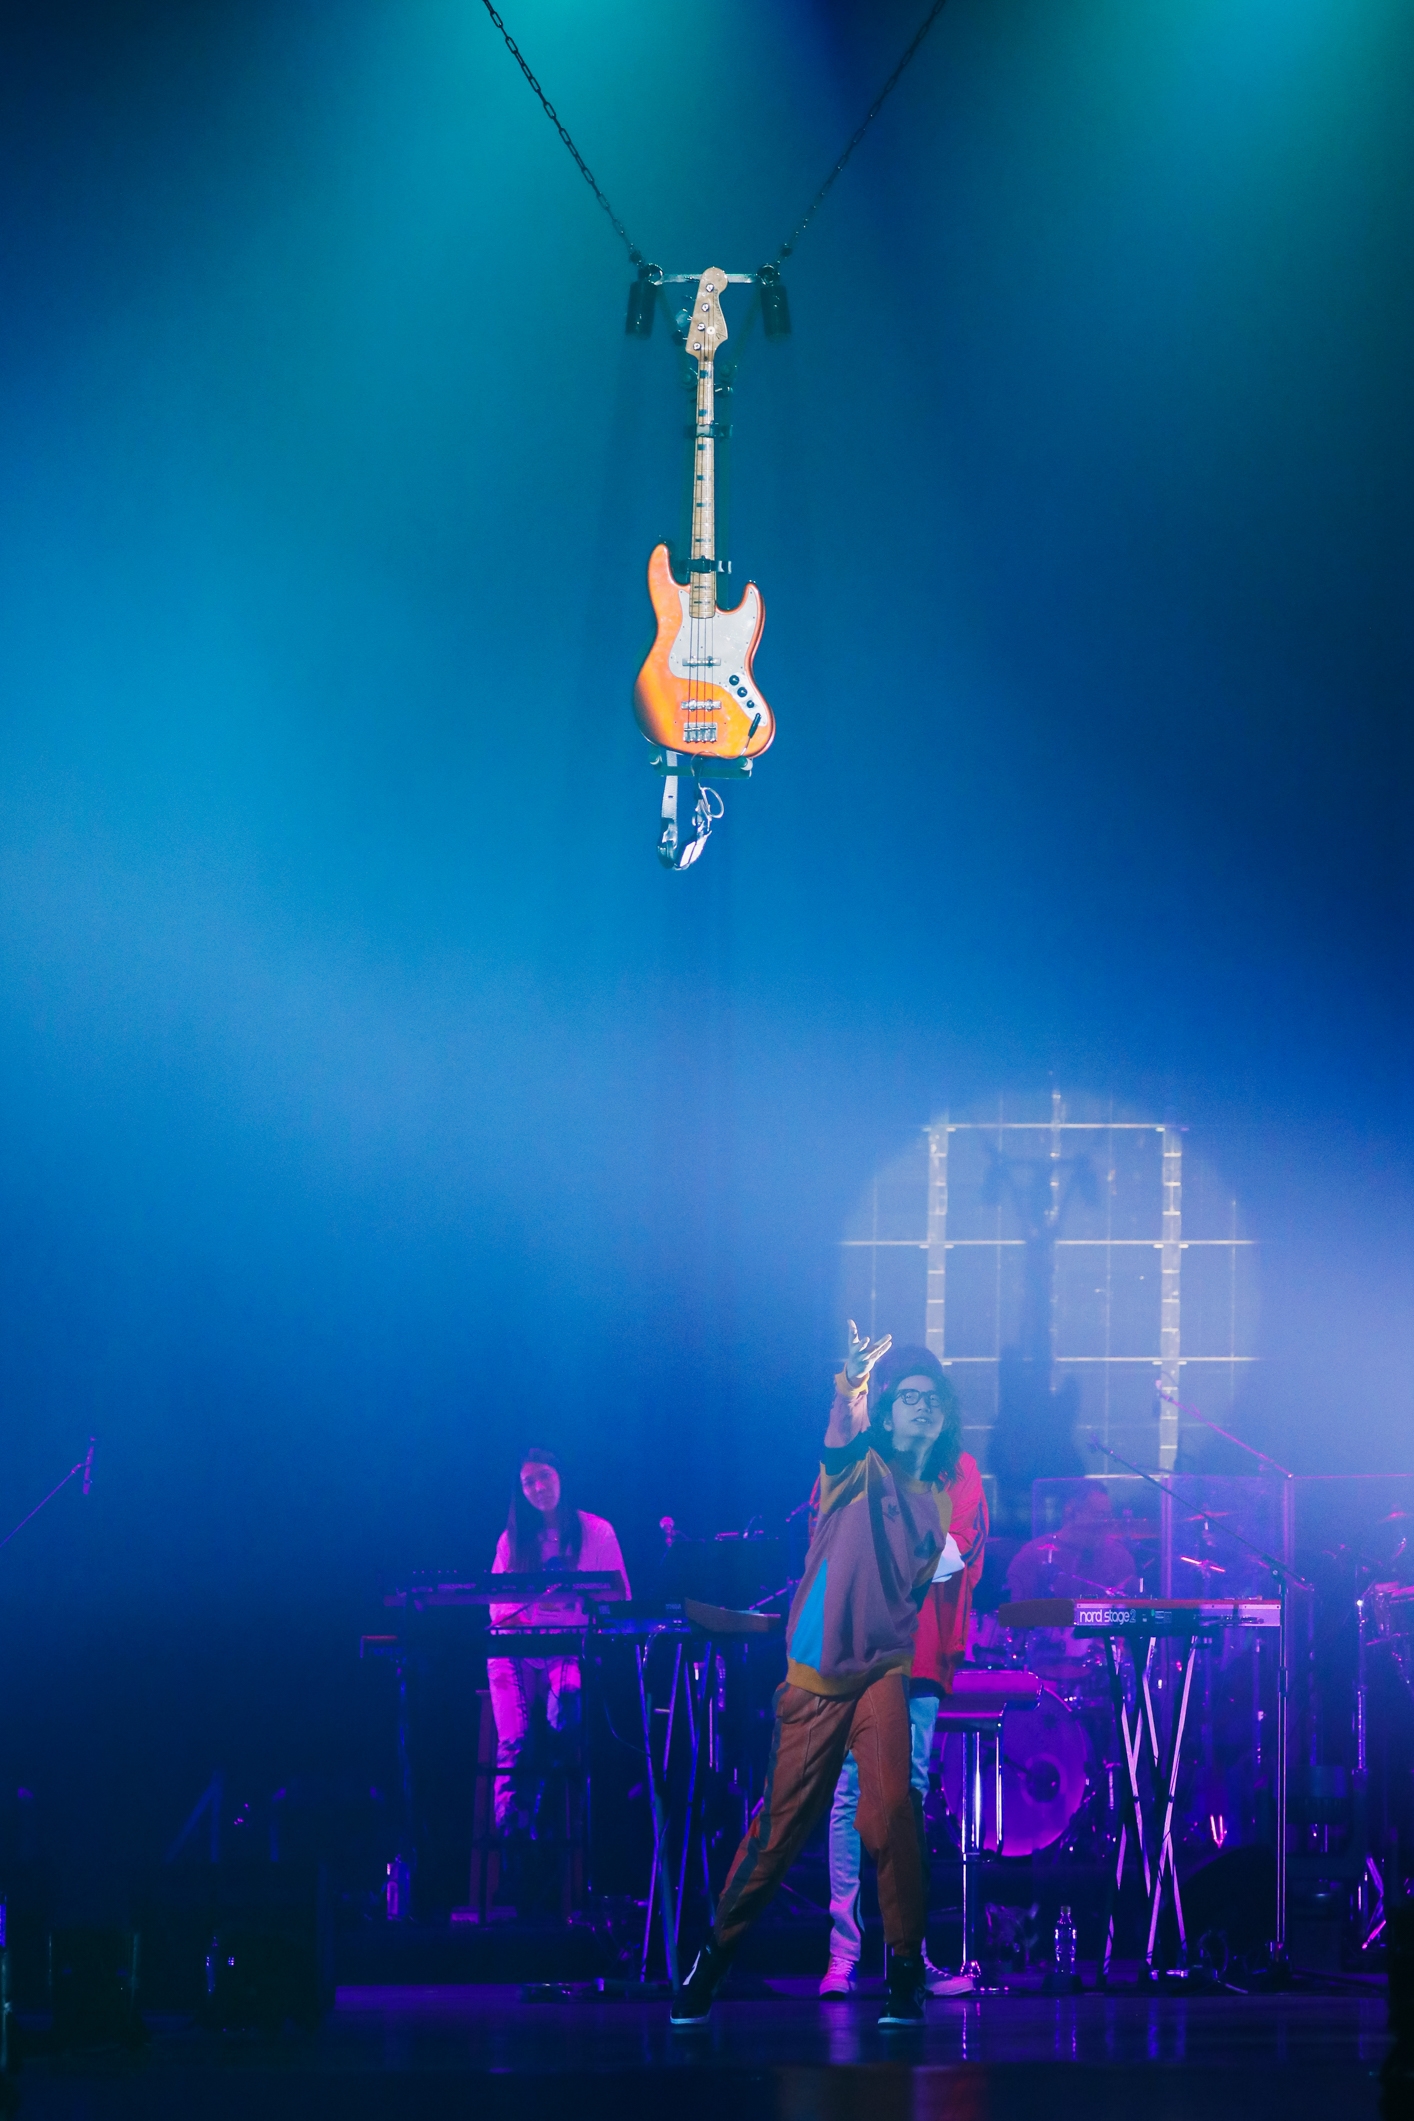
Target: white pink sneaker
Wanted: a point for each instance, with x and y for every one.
(939, 1983)
(840, 1977)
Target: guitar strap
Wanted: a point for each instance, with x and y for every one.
(673, 851)
(668, 837)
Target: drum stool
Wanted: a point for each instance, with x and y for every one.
(975, 1709)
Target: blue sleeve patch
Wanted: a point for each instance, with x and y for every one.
(807, 1641)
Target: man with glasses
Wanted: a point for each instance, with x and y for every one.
(938, 1649)
(878, 1544)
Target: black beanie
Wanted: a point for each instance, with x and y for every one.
(891, 1370)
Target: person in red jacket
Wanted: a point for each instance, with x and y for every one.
(940, 1645)
(938, 1649)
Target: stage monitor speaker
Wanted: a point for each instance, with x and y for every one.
(94, 1986)
(1233, 1895)
(242, 1945)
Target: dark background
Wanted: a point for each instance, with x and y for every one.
(370, 1098)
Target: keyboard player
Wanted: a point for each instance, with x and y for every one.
(544, 1530)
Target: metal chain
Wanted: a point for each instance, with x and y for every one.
(635, 254)
(879, 101)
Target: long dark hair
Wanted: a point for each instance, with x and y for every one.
(941, 1462)
(525, 1523)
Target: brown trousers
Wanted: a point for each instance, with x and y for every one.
(812, 1735)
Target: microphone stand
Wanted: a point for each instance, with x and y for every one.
(84, 1467)
(1288, 1542)
(1286, 1577)
(1262, 1457)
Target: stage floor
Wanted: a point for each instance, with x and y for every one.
(419, 2052)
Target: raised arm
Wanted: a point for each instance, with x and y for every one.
(850, 1412)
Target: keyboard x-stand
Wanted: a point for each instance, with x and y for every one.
(695, 1636)
(519, 1590)
(1140, 1623)
(1286, 1580)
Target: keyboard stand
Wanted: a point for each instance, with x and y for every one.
(1151, 1826)
(1131, 1822)
(693, 1679)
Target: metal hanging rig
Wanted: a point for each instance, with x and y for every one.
(703, 714)
(646, 292)
(775, 310)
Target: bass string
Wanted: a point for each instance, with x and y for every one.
(694, 626)
(709, 530)
(699, 629)
(693, 686)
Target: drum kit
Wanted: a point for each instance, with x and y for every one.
(1062, 1758)
(1061, 1754)
(1385, 1617)
(1049, 1758)
(1388, 1625)
(1055, 1784)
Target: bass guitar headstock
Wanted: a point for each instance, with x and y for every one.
(708, 329)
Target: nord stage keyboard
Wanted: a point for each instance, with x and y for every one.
(1146, 1616)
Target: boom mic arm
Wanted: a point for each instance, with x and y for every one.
(83, 1467)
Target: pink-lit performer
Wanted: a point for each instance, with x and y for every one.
(544, 1531)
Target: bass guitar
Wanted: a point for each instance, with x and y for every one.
(696, 693)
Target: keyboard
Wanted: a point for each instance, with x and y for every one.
(535, 1642)
(522, 1588)
(1146, 1616)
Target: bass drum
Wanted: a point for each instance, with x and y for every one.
(1046, 1756)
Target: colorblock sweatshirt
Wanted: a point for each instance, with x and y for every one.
(874, 1553)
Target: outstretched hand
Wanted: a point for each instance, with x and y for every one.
(861, 1355)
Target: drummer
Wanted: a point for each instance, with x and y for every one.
(1084, 1556)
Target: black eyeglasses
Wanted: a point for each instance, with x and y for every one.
(931, 1400)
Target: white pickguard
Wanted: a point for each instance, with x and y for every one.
(715, 650)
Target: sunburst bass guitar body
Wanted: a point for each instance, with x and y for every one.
(696, 692)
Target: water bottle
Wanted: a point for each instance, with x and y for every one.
(1062, 1979)
(1065, 1946)
(399, 1890)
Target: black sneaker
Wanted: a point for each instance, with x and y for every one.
(693, 2001)
(903, 2002)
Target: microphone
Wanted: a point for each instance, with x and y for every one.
(88, 1464)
